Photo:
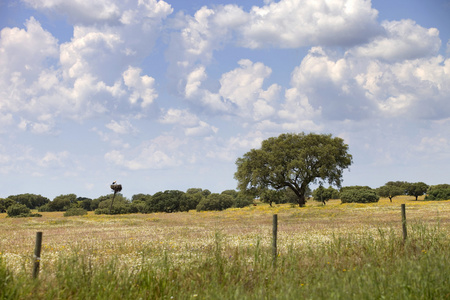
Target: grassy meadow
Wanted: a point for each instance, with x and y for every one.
(337, 251)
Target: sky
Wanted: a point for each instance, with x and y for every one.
(166, 95)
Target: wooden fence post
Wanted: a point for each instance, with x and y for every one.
(405, 233)
(37, 254)
(274, 239)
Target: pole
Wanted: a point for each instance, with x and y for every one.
(405, 233)
(274, 240)
(37, 254)
(112, 201)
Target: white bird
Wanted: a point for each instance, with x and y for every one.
(114, 182)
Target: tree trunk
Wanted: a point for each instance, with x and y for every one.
(301, 201)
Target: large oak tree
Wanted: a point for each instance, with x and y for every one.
(293, 161)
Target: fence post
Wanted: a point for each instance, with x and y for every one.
(37, 254)
(274, 239)
(405, 233)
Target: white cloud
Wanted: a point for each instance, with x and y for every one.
(202, 129)
(403, 40)
(298, 23)
(190, 122)
(121, 127)
(103, 11)
(352, 87)
(161, 152)
(52, 159)
(178, 116)
(142, 87)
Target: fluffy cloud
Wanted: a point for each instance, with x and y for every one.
(161, 152)
(297, 23)
(104, 11)
(402, 40)
(191, 124)
(142, 87)
(353, 87)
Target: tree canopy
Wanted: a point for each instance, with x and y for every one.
(293, 161)
(390, 190)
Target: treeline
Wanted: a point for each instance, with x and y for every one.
(168, 201)
(203, 200)
(365, 194)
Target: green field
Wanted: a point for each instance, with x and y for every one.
(337, 251)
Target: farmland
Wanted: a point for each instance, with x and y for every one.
(336, 251)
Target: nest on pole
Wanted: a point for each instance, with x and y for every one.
(116, 187)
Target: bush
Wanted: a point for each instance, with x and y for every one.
(170, 201)
(119, 207)
(75, 211)
(17, 210)
(438, 192)
(359, 195)
(215, 202)
(242, 201)
(20, 211)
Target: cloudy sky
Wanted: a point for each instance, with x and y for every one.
(166, 95)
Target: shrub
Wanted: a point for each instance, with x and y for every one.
(242, 201)
(20, 211)
(170, 201)
(438, 192)
(215, 202)
(359, 195)
(75, 211)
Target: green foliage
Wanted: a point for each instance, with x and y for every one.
(242, 200)
(170, 201)
(85, 203)
(62, 202)
(322, 194)
(20, 211)
(141, 197)
(215, 201)
(392, 189)
(438, 192)
(5, 203)
(416, 189)
(75, 211)
(32, 201)
(293, 161)
(359, 195)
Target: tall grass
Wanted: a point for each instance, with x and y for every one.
(370, 265)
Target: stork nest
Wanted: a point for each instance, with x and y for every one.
(116, 187)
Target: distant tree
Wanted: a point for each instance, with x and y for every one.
(242, 200)
(391, 190)
(141, 197)
(215, 201)
(63, 202)
(293, 161)
(322, 194)
(85, 203)
(358, 194)
(120, 200)
(438, 192)
(20, 210)
(416, 189)
(170, 201)
(32, 201)
(5, 204)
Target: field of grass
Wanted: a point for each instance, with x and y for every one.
(337, 251)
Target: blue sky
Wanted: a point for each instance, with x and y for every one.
(167, 95)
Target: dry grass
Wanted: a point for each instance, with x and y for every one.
(123, 234)
(176, 242)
